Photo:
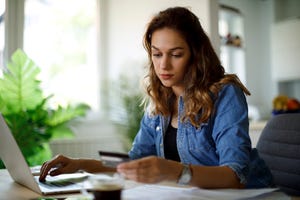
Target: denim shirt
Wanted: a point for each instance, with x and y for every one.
(222, 141)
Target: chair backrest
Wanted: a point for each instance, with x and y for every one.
(279, 146)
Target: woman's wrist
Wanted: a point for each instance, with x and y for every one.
(176, 172)
(92, 166)
(87, 165)
(186, 175)
(79, 164)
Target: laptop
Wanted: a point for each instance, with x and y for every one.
(21, 173)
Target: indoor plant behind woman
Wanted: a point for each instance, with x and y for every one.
(27, 112)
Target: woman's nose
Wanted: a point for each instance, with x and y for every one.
(164, 63)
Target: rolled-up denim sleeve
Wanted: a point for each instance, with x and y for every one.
(231, 131)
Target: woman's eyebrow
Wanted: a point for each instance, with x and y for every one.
(172, 49)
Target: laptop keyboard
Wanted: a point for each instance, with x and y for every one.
(62, 182)
(57, 183)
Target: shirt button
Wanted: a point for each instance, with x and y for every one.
(157, 128)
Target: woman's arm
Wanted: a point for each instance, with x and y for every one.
(93, 166)
(153, 169)
(214, 177)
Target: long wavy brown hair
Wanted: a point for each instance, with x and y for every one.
(205, 75)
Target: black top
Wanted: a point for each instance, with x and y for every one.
(170, 144)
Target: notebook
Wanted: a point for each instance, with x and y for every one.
(20, 172)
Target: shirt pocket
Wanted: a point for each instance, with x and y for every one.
(201, 145)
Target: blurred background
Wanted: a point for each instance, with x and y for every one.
(91, 51)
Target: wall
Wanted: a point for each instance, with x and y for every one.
(286, 9)
(287, 17)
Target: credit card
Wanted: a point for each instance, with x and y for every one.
(112, 159)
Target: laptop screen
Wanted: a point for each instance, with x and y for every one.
(13, 158)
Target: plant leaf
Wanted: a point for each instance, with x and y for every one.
(62, 115)
(62, 131)
(19, 87)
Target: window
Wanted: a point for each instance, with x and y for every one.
(2, 10)
(60, 36)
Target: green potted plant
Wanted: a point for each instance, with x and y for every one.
(27, 112)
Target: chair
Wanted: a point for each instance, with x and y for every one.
(279, 146)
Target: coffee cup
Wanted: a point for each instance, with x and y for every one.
(107, 187)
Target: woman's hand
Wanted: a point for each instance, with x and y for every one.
(58, 165)
(150, 169)
(61, 164)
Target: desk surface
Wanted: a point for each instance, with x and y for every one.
(10, 190)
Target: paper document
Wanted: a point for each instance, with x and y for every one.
(159, 192)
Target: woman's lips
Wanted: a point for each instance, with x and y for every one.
(166, 76)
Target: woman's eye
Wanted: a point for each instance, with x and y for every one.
(177, 55)
(156, 55)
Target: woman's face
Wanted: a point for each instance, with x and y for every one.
(170, 55)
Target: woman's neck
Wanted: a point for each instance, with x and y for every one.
(178, 91)
(174, 116)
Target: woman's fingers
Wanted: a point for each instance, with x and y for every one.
(54, 166)
(143, 170)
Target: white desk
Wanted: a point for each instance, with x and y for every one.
(9, 190)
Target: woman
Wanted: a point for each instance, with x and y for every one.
(195, 129)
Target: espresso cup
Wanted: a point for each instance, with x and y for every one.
(106, 187)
